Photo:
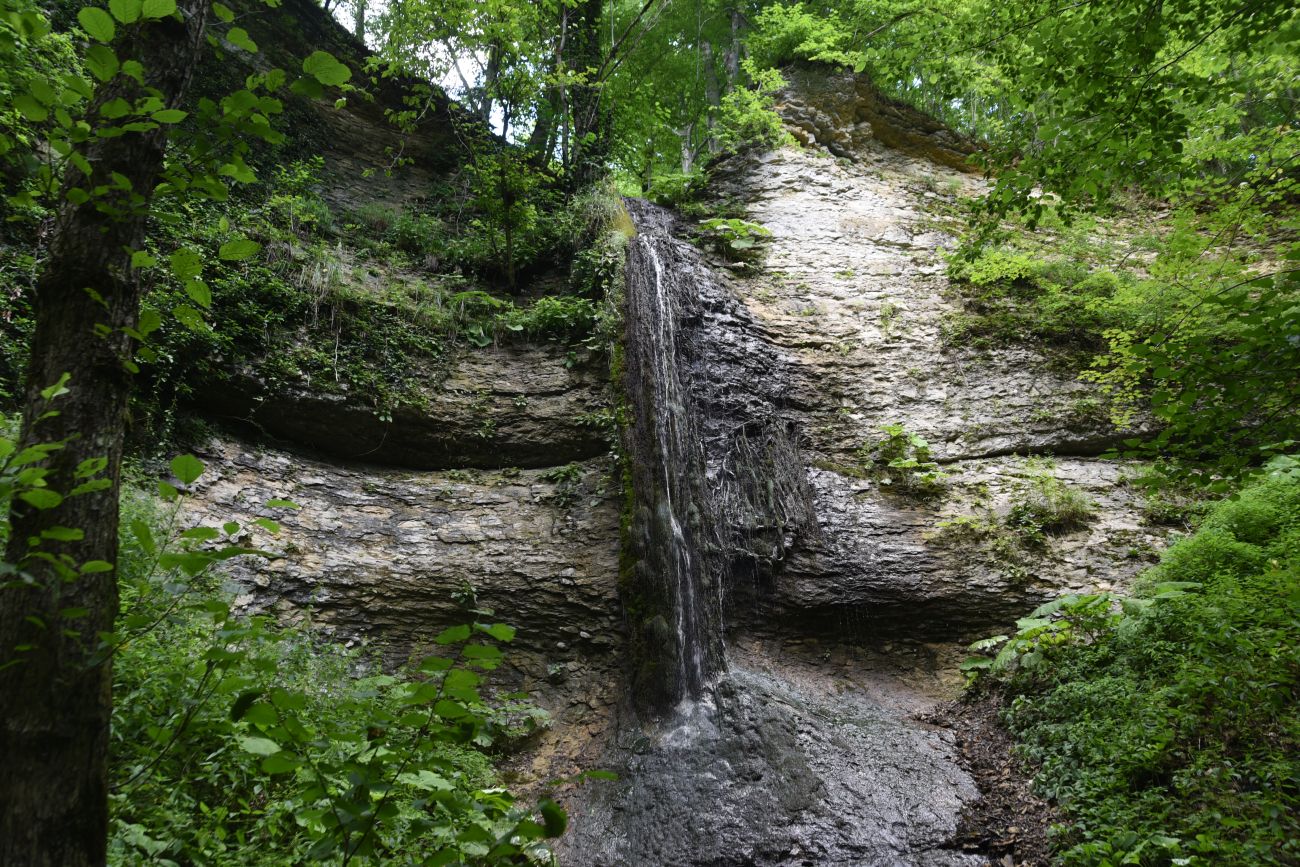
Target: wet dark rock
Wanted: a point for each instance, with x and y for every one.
(776, 767)
(515, 406)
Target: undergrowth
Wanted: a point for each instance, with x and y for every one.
(1167, 725)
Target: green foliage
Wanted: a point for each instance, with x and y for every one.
(747, 115)
(736, 238)
(787, 33)
(1132, 709)
(903, 462)
(1044, 505)
(239, 740)
(1011, 296)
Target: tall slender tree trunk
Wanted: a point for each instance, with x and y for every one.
(55, 688)
(359, 20)
(590, 141)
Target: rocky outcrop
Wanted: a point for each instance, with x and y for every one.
(846, 113)
(512, 406)
(391, 557)
(853, 296)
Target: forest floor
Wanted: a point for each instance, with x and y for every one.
(1009, 823)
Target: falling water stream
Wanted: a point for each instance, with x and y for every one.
(734, 758)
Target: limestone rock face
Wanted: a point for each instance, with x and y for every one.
(390, 555)
(513, 406)
(852, 299)
(845, 113)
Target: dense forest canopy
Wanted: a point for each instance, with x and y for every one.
(169, 225)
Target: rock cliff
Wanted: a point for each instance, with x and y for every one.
(841, 627)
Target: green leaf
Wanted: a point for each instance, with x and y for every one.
(238, 37)
(199, 293)
(281, 763)
(267, 524)
(453, 635)
(282, 504)
(30, 107)
(426, 781)
(187, 468)
(239, 250)
(499, 631)
(125, 11)
(325, 68)
(101, 61)
(95, 566)
(223, 12)
(190, 318)
(259, 746)
(41, 498)
(553, 818)
(170, 115)
(158, 8)
(186, 264)
(97, 23)
(63, 534)
(58, 389)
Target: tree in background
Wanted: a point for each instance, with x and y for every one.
(62, 593)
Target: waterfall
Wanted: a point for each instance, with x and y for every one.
(671, 526)
(716, 477)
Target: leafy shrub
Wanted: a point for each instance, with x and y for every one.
(238, 741)
(1046, 505)
(903, 462)
(674, 189)
(734, 237)
(747, 115)
(786, 33)
(1186, 695)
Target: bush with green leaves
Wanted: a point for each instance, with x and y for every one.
(236, 740)
(1167, 725)
(903, 462)
(1044, 505)
(736, 238)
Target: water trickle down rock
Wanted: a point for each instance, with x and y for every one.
(718, 485)
(770, 760)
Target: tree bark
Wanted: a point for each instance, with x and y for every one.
(55, 685)
(590, 134)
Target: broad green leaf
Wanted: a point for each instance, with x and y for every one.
(170, 115)
(41, 498)
(125, 11)
(259, 746)
(199, 293)
(190, 318)
(325, 68)
(186, 264)
(239, 250)
(554, 818)
(158, 8)
(238, 37)
(187, 468)
(499, 631)
(453, 635)
(97, 23)
(30, 107)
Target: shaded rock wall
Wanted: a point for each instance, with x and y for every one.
(515, 406)
(845, 112)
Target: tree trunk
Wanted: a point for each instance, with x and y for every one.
(712, 96)
(590, 133)
(55, 690)
(359, 20)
